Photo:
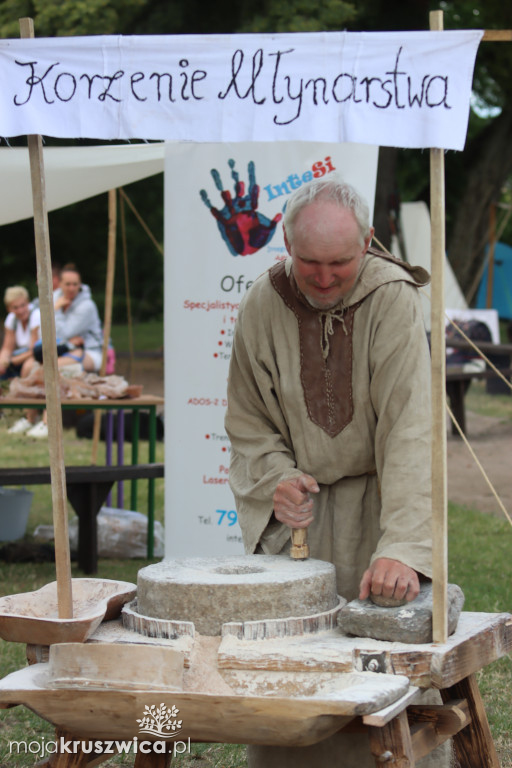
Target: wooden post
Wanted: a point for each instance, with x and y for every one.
(127, 289)
(51, 369)
(107, 320)
(490, 260)
(437, 329)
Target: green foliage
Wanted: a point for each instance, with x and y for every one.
(299, 16)
(68, 17)
(493, 74)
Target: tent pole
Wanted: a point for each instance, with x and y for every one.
(439, 482)
(127, 287)
(107, 322)
(490, 260)
(50, 365)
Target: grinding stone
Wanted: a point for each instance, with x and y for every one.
(214, 590)
(410, 623)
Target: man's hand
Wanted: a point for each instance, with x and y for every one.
(292, 503)
(389, 578)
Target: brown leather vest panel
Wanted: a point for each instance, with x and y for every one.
(326, 381)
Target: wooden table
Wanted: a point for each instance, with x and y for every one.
(458, 378)
(87, 488)
(399, 734)
(457, 384)
(148, 403)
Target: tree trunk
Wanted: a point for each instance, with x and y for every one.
(386, 196)
(489, 164)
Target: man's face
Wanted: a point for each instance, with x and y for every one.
(70, 285)
(327, 251)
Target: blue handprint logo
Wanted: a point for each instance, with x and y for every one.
(243, 228)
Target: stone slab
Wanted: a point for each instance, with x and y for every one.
(410, 623)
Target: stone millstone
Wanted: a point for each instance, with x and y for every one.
(409, 623)
(215, 590)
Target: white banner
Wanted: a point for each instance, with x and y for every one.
(223, 228)
(406, 89)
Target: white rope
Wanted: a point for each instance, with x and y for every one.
(480, 467)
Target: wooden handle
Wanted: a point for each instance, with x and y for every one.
(299, 549)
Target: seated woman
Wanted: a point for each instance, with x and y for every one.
(77, 325)
(77, 322)
(21, 331)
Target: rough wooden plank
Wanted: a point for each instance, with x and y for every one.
(474, 746)
(432, 725)
(497, 35)
(480, 639)
(448, 718)
(107, 665)
(386, 714)
(477, 649)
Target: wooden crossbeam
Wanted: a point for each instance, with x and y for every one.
(432, 725)
(497, 36)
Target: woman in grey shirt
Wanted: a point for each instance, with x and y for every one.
(77, 322)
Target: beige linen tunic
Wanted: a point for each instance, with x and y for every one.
(374, 473)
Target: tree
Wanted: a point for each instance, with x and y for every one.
(476, 177)
(488, 156)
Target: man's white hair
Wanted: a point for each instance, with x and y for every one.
(334, 189)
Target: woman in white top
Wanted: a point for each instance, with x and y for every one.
(21, 331)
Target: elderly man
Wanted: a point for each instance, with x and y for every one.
(329, 408)
(328, 401)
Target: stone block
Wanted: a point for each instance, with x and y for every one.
(409, 623)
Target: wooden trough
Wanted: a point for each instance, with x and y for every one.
(32, 617)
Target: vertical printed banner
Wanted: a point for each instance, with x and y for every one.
(224, 205)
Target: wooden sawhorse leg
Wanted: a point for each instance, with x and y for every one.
(392, 742)
(417, 730)
(474, 746)
(152, 760)
(81, 759)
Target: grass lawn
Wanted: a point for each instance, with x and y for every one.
(480, 562)
(146, 336)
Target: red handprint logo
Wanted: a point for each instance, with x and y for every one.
(243, 228)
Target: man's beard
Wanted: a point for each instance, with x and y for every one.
(320, 305)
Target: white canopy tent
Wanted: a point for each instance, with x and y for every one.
(73, 174)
